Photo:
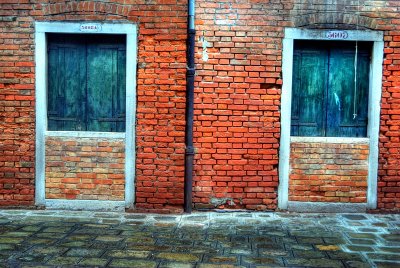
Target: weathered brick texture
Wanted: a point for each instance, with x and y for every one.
(328, 172)
(17, 125)
(85, 168)
(238, 94)
(389, 158)
(237, 104)
(237, 98)
(160, 93)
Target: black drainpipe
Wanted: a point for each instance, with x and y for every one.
(190, 72)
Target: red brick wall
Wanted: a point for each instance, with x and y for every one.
(85, 168)
(237, 94)
(237, 100)
(160, 93)
(389, 146)
(17, 125)
(328, 172)
(160, 126)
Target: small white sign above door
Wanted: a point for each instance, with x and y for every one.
(90, 28)
(338, 35)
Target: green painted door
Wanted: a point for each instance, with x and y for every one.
(86, 82)
(309, 84)
(324, 99)
(66, 83)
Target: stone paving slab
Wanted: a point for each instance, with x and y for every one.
(37, 238)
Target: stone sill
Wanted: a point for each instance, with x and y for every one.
(330, 140)
(85, 134)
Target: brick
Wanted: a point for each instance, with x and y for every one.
(342, 181)
(75, 177)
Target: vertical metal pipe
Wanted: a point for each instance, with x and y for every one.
(190, 73)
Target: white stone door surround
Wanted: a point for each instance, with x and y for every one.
(375, 91)
(84, 27)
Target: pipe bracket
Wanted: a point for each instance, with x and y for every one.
(190, 71)
(189, 150)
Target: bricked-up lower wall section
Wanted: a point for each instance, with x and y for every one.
(85, 168)
(328, 172)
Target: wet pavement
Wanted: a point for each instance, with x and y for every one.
(30, 238)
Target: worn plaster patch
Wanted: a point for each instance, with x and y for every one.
(204, 44)
(222, 201)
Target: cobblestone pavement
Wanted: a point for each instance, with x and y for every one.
(46, 238)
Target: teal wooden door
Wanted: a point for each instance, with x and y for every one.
(324, 99)
(347, 107)
(86, 83)
(66, 83)
(106, 85)
(309, 84)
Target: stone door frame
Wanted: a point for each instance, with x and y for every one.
(375, 92)
(84, 27)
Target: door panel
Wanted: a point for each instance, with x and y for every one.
(86, 82)
(324, 102)
(66, 83)
(309, 98)
(347, 107)
(101, 80)
(340, 93)
(106, 87)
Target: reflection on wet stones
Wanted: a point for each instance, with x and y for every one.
(362, 241)
(180, 257)
(132, 263)
(309, 254)
(268, 246)
(50, 250)
(82, 252)
(360, 248)
(150, 247)
(314, 262)
(32, 258)
(94, 262)
(176, 265)
(227, 240)
(274, 252)
(357, 264)
(128, 254)
(261, 239)
(140, 240)
(108, 238)
(238, 251)
(340, 255)
(74, 244)
(40, 241)
(4, 247)
(11, 240)
(354, 217)
(64, 261)
(310, 240)
(299, 246)
(260, 260)
(222, 259)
